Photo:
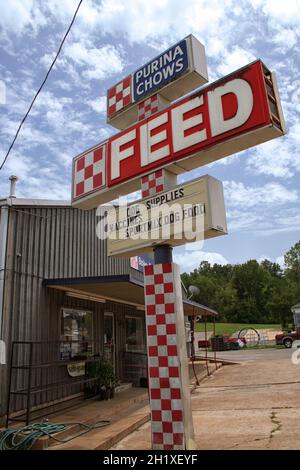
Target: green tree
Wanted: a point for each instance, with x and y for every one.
(273, 268)
(252, 283)
(284, 294)
(292, 261)
(250, 292)
(227, 302)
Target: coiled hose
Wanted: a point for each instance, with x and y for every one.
(23, 438)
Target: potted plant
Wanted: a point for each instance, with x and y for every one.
(107, 380)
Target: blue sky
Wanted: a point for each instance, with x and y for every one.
(110, 39)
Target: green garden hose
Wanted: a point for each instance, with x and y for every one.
(23, 438)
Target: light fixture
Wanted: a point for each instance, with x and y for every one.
(85, 297)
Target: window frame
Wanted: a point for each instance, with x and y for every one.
(143, 348)
(62, 336)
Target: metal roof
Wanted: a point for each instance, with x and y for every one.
(296, 306)
(122, 288)
(194, 308)
(15, 201)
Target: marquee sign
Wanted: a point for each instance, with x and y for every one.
(175, 72)
(169, 216)
(226, 117)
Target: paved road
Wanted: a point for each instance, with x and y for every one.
(255, 354)
(251, 405)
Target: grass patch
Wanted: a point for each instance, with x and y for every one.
(266, 346)
(230, 328)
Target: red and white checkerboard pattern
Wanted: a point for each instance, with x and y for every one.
(153, 183)
(119, 96)
(89, 172)
(148, 107)
(165, 386)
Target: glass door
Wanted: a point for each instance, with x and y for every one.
(109, 338)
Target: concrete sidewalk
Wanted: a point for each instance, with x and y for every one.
(126, 412)
(253, 405)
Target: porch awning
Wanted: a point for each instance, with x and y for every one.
(123, 288)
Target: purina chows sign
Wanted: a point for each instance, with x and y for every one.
(158, 72)
(230, 115)
(174, 73)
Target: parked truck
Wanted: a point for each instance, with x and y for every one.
(287, 338)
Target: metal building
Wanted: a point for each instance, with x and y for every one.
(57, 285)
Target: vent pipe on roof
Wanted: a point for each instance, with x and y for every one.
(13, 181)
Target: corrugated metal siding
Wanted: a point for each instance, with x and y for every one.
(61, 242)
(57, 242)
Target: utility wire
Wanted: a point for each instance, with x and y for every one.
(43, 83)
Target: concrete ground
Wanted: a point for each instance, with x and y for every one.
(242, 355)
(251, 405)
(126, 412)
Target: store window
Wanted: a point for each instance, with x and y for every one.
(135, 334)
(76, 333)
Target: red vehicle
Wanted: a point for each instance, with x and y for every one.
(288, 338)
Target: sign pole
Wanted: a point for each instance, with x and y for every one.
(163, 254)
(170, 400)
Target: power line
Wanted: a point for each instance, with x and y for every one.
(40, 88)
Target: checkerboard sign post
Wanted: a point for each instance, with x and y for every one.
(151, 106)
(156, 182)
(171, 420)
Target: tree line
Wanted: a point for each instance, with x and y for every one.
(250, 292)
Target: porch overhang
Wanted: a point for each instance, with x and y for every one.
(123, 288)
(192, 308)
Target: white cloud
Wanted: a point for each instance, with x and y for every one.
(98, 105)
(262, 210)
(262, 258)
(241, 196)
(49, 102)
(18, 15)
(83, 62)
(189, 263)
(263, 223)
(235, 59)
(286, 37)
(287, 12)
(280, 260)
(143, 21)
(283, 221)
(98, 63)
(63, 10)
(279, 157)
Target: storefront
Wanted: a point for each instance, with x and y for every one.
(65, 298)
